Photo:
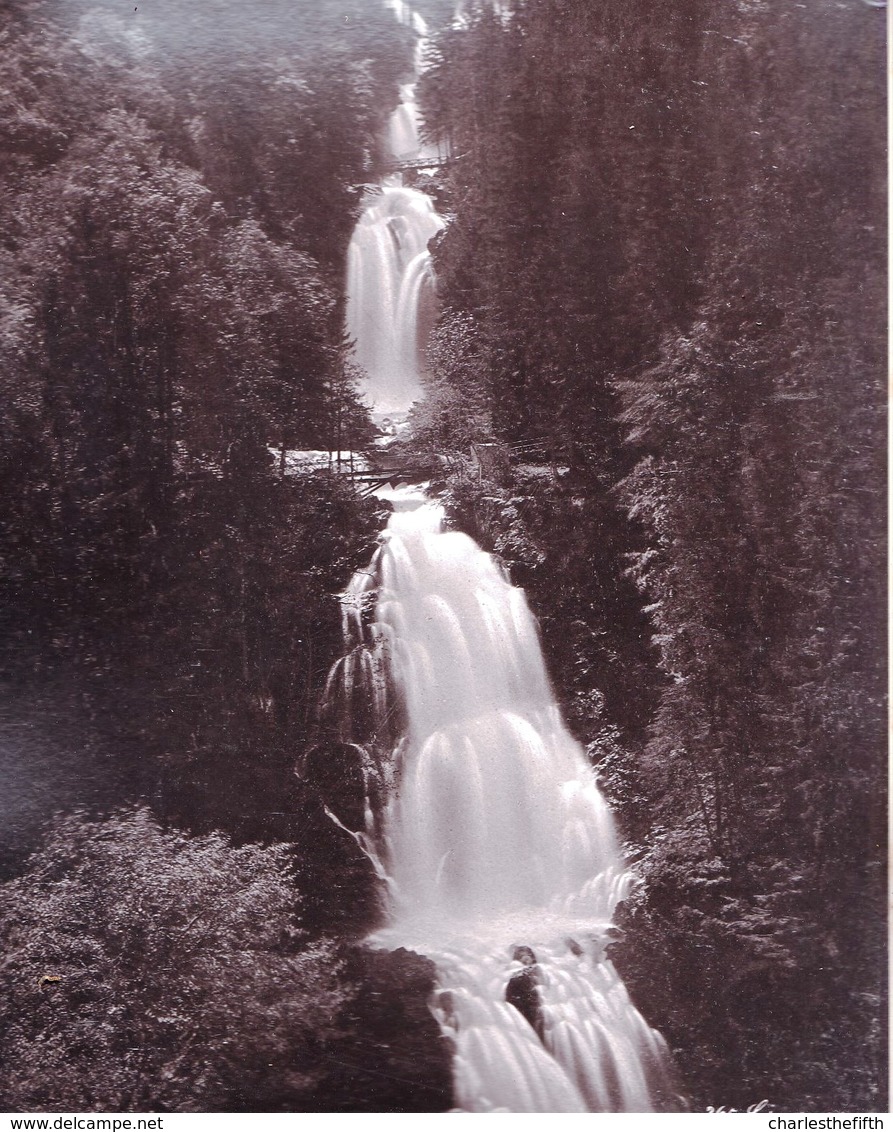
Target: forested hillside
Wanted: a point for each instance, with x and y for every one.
(655, 388)
(178, 185)
(663, 289)
(177, 196)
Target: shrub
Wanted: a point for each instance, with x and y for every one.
(149, 970)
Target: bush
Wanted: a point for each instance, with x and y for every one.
(146, 970)
(759, 999)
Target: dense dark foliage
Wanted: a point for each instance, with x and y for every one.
(665, 264)
(129, 952)
(661, 335)
(147, 970)
(178, 184)
(176, 203)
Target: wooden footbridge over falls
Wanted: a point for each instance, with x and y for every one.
(392, 469)
(415, 164)
(370, 471)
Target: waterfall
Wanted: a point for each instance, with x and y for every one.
(484, 820)
(390, 289)
(496, 851)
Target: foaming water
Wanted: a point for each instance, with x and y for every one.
(498, 851)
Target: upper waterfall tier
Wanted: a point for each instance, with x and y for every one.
(390, 287)
(390, 293)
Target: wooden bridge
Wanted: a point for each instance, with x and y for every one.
(488, 459)
(380, 469)
(407, 468)
(415, 163)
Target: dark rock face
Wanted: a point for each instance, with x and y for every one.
(340, 891)
(393, 1057)
(522, 991)
(333, 773)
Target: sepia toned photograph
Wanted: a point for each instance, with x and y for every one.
(442, 557)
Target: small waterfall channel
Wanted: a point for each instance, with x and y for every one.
(390, 289)
(496, 853)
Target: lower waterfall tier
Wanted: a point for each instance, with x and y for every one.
(498, 852)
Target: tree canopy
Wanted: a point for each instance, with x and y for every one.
(666, 249)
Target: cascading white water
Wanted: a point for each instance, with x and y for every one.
(493, 836)
(483, 817)
(390, 292)
(389, 285)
